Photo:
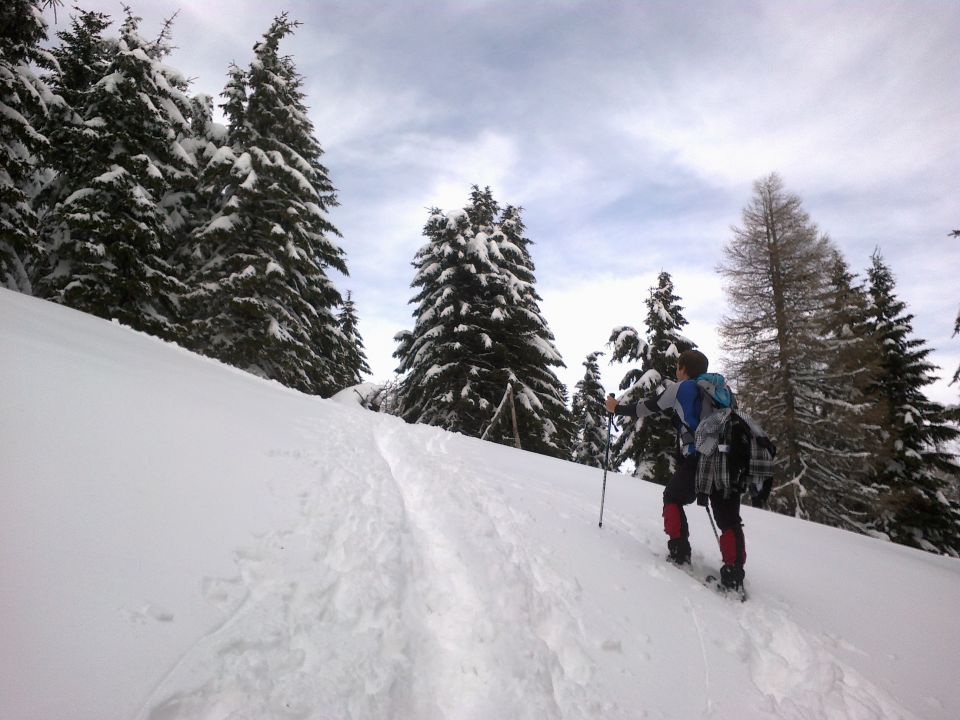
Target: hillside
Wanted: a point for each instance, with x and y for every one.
(181, 540)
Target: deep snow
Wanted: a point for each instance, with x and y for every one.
(181, 540)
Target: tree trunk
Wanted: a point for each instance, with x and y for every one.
(783, 340)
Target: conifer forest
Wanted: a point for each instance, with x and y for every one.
(206, 222)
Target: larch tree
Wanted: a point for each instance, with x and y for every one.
(909, 483)
(590, 417)
(25, 102)
(263, 300)
(650, 444)
(778, 295)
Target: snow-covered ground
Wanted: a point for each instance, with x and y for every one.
(181, 540)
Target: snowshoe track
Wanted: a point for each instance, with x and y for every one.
(483, 590)
(427, 622)
(320, 631)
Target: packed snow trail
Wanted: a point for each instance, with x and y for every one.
(216, 546)
(453, 611)
(482, 627)
(319, 629)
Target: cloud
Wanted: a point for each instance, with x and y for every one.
(583, 314)
(853, 95)
(631, 134)
(392, 189)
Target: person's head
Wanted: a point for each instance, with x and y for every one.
(691, 364)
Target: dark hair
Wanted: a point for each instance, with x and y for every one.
(694, 362)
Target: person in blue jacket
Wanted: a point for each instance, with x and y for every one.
(687, 404)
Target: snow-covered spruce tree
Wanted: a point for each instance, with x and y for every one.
(590, 417)
(478, 330)
(264, 302)
(778, 294)
(543, 419)
(209, 144)
(844, 443)
(436, 387)
(82, 58)
(912, 508)
(353, 365)
(956, 331)
(109, 236)
(195, 206)
(650, 444)
(628, 346)
(956, 325)
(25, 101)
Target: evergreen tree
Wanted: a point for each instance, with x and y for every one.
(209, 145)
(542, 415)
(590, 417)
(650, 444)
(478, 330)
(82, 56)
(82, 59)
(778, 293)
(844, 441)
(353, 365)
(265, 302)
(909, 485)
(956, 331)
(437, 388)
(109, 236)
(629, 346)
(25, 101)
(956, 325)
(197, 203)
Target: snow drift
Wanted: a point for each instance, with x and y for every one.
(181, 540)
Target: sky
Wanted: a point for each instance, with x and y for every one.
(630, 132)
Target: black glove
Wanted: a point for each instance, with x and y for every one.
(703, 499)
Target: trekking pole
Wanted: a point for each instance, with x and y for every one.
(713, 525)
(606, 463)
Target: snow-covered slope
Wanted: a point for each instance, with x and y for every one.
(181, 540)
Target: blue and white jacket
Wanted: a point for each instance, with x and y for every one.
(687, 403)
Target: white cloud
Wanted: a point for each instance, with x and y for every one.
(417, 172)
(583, 314)
(630, 133)
(856, 95)
(353, 117)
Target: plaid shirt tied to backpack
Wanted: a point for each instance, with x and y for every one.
(734, 452)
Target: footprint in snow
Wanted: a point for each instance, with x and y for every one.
(146, 613)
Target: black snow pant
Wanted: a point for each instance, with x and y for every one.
(681, 490)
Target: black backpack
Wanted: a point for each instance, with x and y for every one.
(735, 454)
(750, 457)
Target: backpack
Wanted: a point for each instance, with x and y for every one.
(735, 452)
(750, 454)
(714, 394)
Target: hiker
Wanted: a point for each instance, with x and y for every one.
(695, 396)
